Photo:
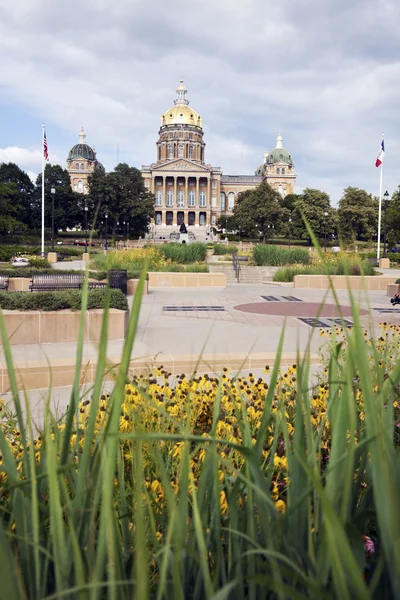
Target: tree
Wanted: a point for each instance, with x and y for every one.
(227, 222)
(10, 208)
(10, 173)
(392, 219)
(259, 211)
(358, 215)
(312, 205)
(67, 208)
(122, 195)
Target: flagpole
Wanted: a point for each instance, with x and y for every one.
(43, 190)
(380, 214)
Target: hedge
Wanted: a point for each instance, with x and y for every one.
(265, 255)
(185, 253)
(220, 250)
(68, 299)
(8, 252)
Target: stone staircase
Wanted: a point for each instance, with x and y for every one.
(247, 274)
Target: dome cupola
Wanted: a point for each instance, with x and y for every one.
(279, 154)
(82, 149)
(181, 113)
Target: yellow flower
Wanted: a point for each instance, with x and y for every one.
(280, 506)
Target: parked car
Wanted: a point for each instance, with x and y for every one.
(395, 250)
(83, 243)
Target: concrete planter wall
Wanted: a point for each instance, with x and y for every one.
(187, 279)
(341, 282)
(41, 327)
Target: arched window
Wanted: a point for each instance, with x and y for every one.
(180, 152)
(170, 197)
(159, 198)
(202, 219)
(214, 201)
(191, 198)
(281, 157)
(231, 200)
(190, 151)
(278, 171)
(170, 151)
(202, 199)
(158, 218)
(77, 165)
(222, 198)
(181, 198)
(280, 190)
(181, 134)
(80, 186)
(82, 166)
(283, 171)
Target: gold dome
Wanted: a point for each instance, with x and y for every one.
(181, 115)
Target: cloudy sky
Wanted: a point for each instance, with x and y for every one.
(325, 72)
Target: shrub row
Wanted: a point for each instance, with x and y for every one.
(220, 250)
(71, 299)
(8, 252)
(184, 253)
(287, 274)
(265, 255)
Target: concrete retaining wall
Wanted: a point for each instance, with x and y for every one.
(392, 289)
(187, 279)
(41, 327)
(341, 282)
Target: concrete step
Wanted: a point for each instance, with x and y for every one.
(248, 274)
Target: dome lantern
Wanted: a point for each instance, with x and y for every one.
(181, 92)
(82, 149)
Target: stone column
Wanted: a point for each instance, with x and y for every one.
(209, 200)
(186, 191)
(175, 199)
(164, 191)
(152, 184)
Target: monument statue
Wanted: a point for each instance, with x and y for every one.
(182, 228)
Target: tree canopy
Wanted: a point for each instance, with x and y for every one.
(121, 195)
(258, 211)
(357, 215)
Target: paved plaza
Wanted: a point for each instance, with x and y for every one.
(225, 325)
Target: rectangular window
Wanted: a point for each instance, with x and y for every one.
(191, 198)
(214, 201)
(159, 198)
(170, 196)
(202, 199)
(147, 183)
(214, 185)
(181, 197)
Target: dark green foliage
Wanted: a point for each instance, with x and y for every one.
(38, 262)
(70, 299)
(220, 250)
(258, 211)
(265, 255)
(185, 253)
(121, 195)
(31, 271)
(287, 274)
(357, 214)
(8, 252)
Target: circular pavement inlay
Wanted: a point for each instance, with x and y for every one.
(297, 309)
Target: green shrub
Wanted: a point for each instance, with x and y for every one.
(266, 255)
(185, 253)
(220, 249)
(37, 262)
(60, 300)
(287, 274)
(30, 271)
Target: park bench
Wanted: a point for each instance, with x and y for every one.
(51, 283)
(4, 281)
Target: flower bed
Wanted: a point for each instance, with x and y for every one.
(196, 485)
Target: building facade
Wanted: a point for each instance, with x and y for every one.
(186, 188)
(81, 163)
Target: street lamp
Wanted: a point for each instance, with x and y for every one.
(86, 227)
(106, 244)
(290, 232)
(325, 215)
(53, 191)
(124, 233)
(127, 232)
(386, 197)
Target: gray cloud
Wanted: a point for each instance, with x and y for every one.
(325, 73)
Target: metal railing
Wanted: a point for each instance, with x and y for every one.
(236, 266)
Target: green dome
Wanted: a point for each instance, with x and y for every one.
(279, 155)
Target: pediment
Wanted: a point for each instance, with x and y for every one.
(182, 164)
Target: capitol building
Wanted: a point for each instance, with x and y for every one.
(186, 188)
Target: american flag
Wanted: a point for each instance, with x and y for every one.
(45, 149)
